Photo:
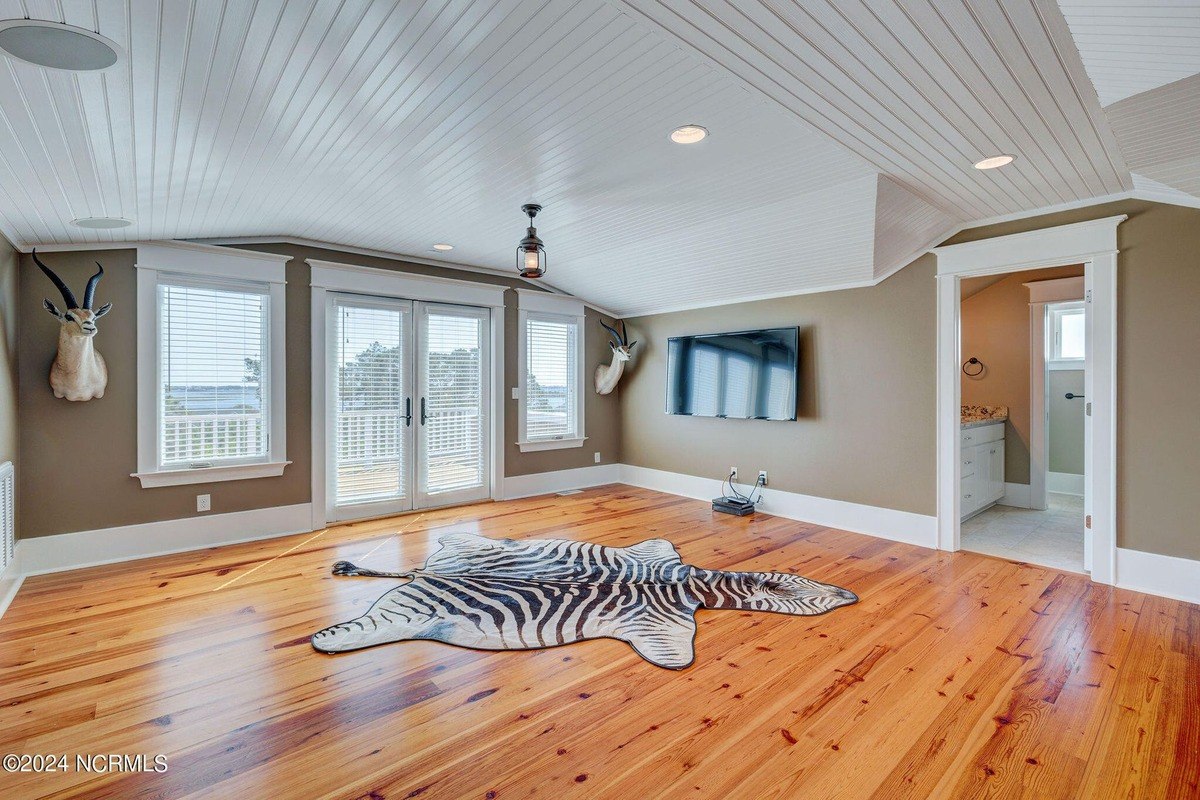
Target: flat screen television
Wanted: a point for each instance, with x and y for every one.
(742, 375)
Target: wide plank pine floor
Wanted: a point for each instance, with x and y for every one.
(957, 675)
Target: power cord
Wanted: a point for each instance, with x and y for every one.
(758, 484)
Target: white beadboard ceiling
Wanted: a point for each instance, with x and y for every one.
(1133, 47)
(1159, 131)
(842, 133)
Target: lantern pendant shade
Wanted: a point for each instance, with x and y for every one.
(531, 252)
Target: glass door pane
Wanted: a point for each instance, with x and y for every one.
(454, 461)
(371, 434)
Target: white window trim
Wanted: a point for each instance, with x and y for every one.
(557, 308)
(205, 262)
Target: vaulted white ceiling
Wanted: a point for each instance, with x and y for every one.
(1133, 47)
(842, 133)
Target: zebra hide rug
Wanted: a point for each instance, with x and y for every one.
(501, 594)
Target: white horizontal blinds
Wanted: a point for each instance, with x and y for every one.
(551, 378)
(453, 379)
(213, 372)
(369, 403)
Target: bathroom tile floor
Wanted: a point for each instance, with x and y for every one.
(1050, 538)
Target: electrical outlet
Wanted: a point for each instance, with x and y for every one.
(516, 393)
(204, 502)
(762, 477)
(596, 456)
(733, 473)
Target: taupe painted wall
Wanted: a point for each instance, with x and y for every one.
(1065, 428)
(1158, 327)
(64, 493)
(867, 432)
(866, 427)
(8, 352)
(995, 329)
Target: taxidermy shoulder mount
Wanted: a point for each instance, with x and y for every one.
(78, 371)
(607, 375)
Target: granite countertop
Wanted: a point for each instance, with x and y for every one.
(976, 416)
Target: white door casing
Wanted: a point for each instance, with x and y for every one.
(330, 277)
(1094, 244)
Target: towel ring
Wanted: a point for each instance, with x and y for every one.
(973, 361)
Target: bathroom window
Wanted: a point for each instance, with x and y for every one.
(1067, 335)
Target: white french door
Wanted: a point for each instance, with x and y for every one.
(408, 402)
(452, 386)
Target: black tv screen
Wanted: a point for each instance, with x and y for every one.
(743, 375)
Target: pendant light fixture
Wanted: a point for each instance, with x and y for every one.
(531, 252)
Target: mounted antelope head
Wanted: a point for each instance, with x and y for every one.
(78, 372)
(607, 375)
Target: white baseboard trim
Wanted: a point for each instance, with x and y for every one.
(517, 486)
(1064, 483)
(10, 581)
(1166, 576)
(64, 551)
(885, 523)
(1016, 495)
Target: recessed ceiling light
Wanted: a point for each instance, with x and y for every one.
(443, 247)
(688, 134)
(57, 46)
(102, 223)
(991, 162)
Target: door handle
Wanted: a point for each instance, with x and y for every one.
(407, 412)
(424, 416)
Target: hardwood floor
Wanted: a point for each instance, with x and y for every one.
(957, 675)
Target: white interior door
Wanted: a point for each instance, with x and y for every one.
(1089, 392)
(371, 400)
(452, 417)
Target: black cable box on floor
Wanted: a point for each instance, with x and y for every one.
(733, 505)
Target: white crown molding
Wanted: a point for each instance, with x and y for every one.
(179, 244)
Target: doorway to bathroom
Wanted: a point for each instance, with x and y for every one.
(1013, 481)
(1024, 338)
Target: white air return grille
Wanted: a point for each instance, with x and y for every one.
(8, 533)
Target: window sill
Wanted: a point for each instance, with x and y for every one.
(1065, 364)
(239, 472)
(551, 444)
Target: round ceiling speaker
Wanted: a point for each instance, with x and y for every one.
(57, 46)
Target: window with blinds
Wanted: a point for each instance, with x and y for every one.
(370, 403)
(455, 427)
(551, 378)
(213, 371)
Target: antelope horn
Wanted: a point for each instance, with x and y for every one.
(614, 332)
(89, 293)
(624, 334)
(68, 295)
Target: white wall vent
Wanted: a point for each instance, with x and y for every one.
(8, 531)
